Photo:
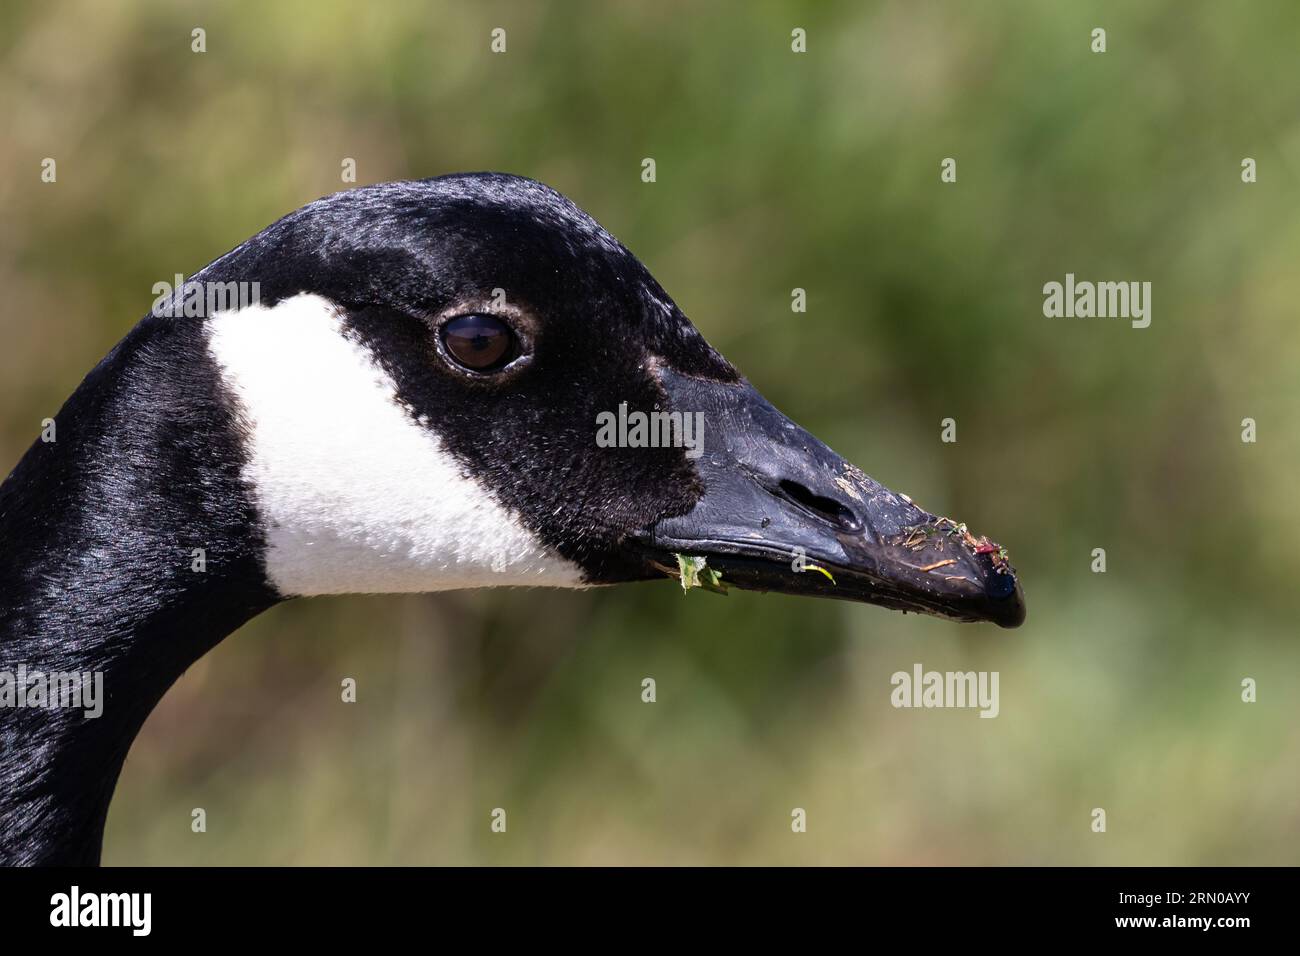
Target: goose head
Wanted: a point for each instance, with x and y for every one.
(454, 383)
(467, 382)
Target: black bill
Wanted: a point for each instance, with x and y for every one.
(782, 512)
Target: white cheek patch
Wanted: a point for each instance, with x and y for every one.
(355, 495)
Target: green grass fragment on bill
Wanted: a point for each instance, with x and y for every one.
(695, 573)
(818, 567)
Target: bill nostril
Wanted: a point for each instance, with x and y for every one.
(826, 508)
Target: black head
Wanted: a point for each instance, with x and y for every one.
(534, 345)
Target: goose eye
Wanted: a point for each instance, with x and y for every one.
(482, 343)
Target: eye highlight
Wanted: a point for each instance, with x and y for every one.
(480, 343)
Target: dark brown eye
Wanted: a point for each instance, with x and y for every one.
(482, 343)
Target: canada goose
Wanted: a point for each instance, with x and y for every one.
(411, 404)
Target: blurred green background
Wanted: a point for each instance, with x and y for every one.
(775, 171)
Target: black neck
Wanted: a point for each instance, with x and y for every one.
(98, 537)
